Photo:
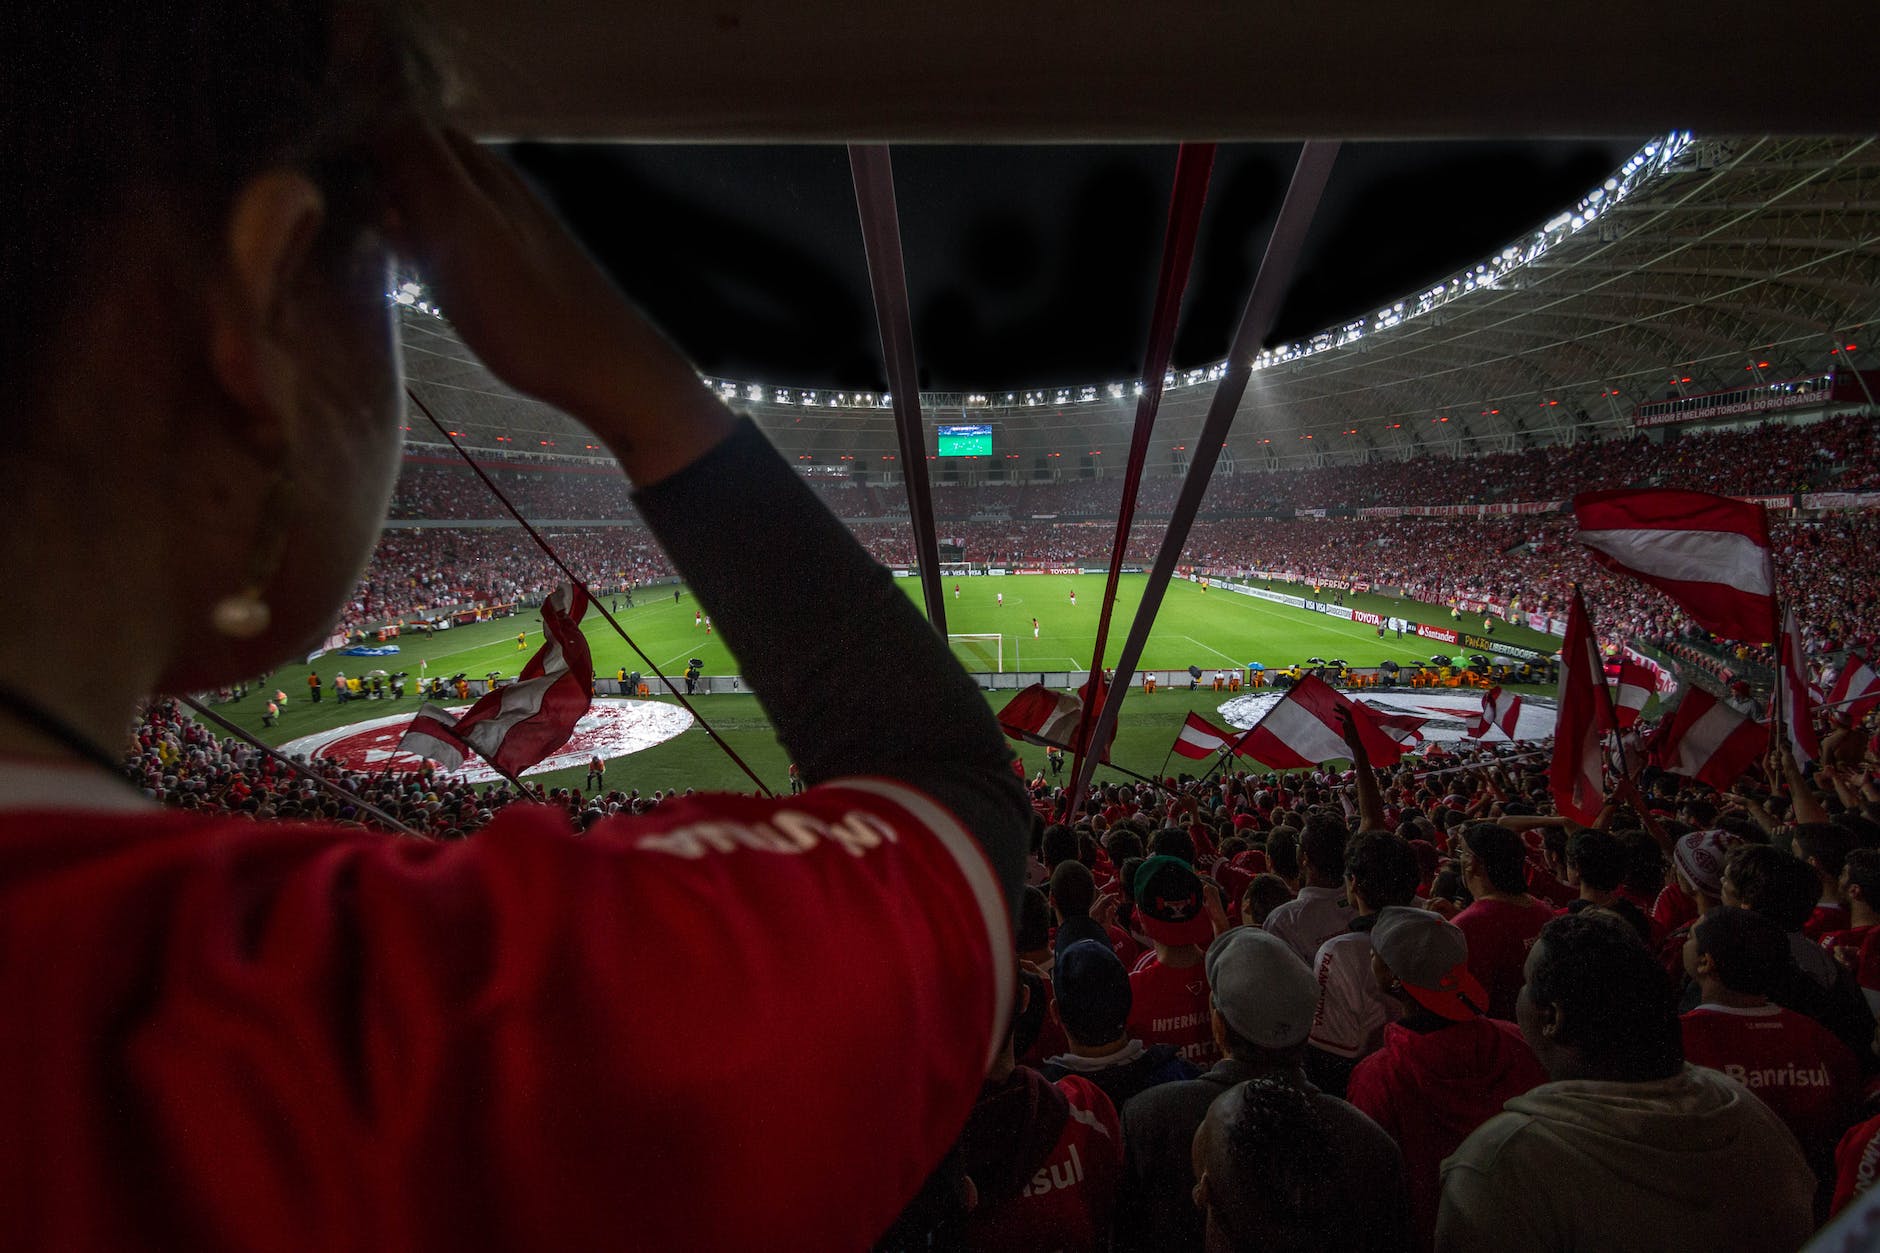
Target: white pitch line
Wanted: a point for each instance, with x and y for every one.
(1217, 652)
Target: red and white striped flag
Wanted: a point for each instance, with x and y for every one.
(1201, 739)
(1303, 730)
(515, 727)
(1583, 711)
(1039, 715)
(1709, 553)
(1857, 691)
(1708, 741)
(1630, 691)
(1404, 728)
(1500, 711)
(1794, 707)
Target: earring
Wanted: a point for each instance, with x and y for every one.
(244, 614)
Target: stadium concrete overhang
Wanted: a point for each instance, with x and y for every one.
(1054, 70)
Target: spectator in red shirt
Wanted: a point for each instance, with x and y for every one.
(1504, 919)
(1854, 946)
(1825, 846)
(1697, 861)
(1169, 987)
(1043, 1160)
(308, 1035)
(1444, 1068)
(1797, 1066)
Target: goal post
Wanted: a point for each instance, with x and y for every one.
(979, 653)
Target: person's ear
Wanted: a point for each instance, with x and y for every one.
(1552, 1021)
(272, 226)
(1705, 967)
(1200, 1193)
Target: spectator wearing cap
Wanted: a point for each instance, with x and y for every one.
(1380, 872)
(1445, 1067)
(1738, 959)
(1627, 1147)
(1697, 861)
(1320, 911)
(1260, 1013)
(1502, 922)
(1043, 1158)
(1093, 1003)
(1169, 987)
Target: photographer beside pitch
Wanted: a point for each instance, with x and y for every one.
(671, 1032)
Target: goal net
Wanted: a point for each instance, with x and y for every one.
(979, 652)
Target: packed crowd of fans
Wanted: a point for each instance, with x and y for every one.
(1444, 1000)
(1839, 454)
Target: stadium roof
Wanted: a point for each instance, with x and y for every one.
(1705, 263)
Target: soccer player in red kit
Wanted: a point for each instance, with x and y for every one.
(282, 1036)
(1169, 988)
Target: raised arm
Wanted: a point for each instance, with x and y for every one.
(814, 621)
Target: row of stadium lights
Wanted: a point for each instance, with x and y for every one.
(1645, 164)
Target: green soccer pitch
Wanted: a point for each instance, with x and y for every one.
(1213, 630)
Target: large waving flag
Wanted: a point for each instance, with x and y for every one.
(1794, 704)
(1583, 712)
(1201, 739)
(1304, 730)
(1500, 712)
(1857, 690)
(1709, 553)
(515, 727)
(1708, 741)
(1630, 691)
(1039, 715)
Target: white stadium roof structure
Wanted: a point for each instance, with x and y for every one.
(1707, 263)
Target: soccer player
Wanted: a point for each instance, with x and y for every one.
(956, 591)
(698, 618)
(1073, 598)
(1034, 628)
(1001, 596)
(522, 641)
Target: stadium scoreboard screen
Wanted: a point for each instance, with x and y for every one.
(966, 441)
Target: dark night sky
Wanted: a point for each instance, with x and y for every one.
(1027, 266)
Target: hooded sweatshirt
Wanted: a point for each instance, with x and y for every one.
(1690, 1162)
(1430, 1088)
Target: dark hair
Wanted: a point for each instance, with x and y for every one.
(1073, 890)
(1058, 846)
(1265, 894)
(1126, 877)
(1383, 869)
(1598, 858)
(1282, 852)
(1751, 953)
(1645, 862)
(1501, 854)
(1780, 886)
(1281, 1189)
(1122, 845)
(109, 110)
(1323, 844)
(1863, 871)
(1825, 843)
(1617, 1008)
(1034, 921)
(1173, 842)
